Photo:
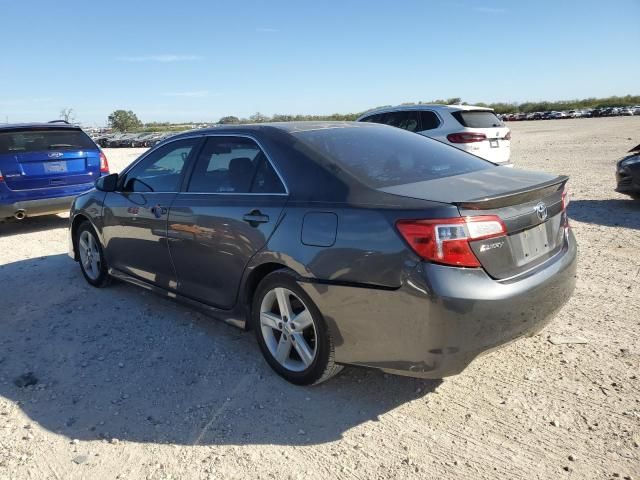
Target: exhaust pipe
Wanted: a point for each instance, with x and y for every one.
(19, 215)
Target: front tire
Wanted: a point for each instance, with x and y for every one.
(291, 332)
(92, 261)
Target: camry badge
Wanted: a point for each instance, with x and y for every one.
(55, 154)
(541, 211)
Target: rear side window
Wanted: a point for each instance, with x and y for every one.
(233, 165)
(382, 157)
(428, 120)
(477, 119)
(39, 140)
(407, 120)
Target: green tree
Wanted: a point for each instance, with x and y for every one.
(229, 119)
(124, 121)
(258, 118)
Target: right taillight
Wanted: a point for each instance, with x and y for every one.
(104, 164)
(1, 178)
(446, 240)
(565, 203)
(466, 137)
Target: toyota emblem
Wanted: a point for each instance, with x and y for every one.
(541, 211)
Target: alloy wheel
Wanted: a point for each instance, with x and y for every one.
(89, 255)
(288, 329)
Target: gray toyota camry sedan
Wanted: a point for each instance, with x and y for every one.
(337, 243)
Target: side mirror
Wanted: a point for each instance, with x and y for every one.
(108, 183)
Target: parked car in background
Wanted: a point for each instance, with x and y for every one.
(337, 243)
(43, 166)
(475, 130)
(628, 174)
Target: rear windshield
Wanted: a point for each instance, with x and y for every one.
(477, 119)
(25, 141)
(382, 156)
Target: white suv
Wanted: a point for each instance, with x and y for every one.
(476, 130)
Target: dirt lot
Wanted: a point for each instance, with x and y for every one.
(133, 386)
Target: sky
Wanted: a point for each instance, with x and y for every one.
(200, 60)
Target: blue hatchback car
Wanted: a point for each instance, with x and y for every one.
(44, 166)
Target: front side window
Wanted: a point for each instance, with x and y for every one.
(233, 165)
(161, 170)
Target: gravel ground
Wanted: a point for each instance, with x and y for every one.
(132, 386)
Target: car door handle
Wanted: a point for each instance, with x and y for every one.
(255, 217)
(158, 211)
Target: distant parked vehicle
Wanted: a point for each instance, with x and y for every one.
(476, 130)
(626, 111)
(628, 174)
(43, 166)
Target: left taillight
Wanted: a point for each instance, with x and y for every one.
(466, 137)
(1, 177)
(446, 240)
(104, 164)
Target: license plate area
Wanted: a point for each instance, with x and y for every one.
(494, 143)
(533, 243)
(55, 167)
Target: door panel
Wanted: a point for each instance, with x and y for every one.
(135, 218)
(135, 234)
(212, 238)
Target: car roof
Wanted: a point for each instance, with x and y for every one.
(289, 127)
(425, 106)
(39, 125)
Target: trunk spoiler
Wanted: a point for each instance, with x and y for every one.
(515, 197)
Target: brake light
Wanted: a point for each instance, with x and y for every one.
(566, 199)
(104, 165)
(508, 136)
(1, 178)
(466, 137)
(446, 240)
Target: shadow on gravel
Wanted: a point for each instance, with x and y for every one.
(123, 363)
(32, 225)
(610, 213)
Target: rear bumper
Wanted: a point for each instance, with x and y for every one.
(441, 318)
(32, 208)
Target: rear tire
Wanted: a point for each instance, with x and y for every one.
(91, 255)
(291, 331)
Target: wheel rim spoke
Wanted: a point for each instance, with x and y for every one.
(284, 304)
(303, 320)
(283, 350)
(301, 346)
(270, 320)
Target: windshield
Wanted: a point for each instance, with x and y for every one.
(25, 141)
(382, 156)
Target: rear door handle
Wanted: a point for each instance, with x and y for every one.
(158, 211)
(255, 217)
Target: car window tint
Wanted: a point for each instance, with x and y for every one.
(382, 157)
(266, 179)
(162, 169)
(226, 165)
(428, 120)
(477, 119)
(38, 140)
(407, 120)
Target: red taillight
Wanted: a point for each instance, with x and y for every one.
(104, 165)
(1, 178)
(507, 136)
(565, 198)
(446, 240)
(466, 137)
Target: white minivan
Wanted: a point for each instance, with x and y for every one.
(476, 130)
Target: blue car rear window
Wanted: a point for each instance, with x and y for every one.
(381, 156)
(38, 140)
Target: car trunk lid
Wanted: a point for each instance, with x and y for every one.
(42, 158)
(530, 204)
